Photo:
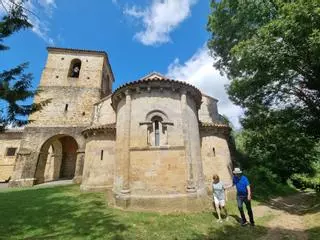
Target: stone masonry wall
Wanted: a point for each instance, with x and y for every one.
(103, 112)
(158, 171)
(7, 162)
(217, 161)
(68, 113)
(208, 111)
(78, 113)
(72, 98)
(98, 170)
(33, 140)
(145, 102)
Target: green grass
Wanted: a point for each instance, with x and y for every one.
(66, 213)
(312, 219)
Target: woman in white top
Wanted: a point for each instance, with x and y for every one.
(218, 190)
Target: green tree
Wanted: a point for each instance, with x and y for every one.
(270, 49)
(272, 139)
(15, 84)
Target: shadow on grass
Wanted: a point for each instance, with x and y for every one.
(231, 232)
(299, 204)
(57, 213)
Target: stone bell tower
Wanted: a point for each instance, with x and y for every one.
(52, 146)
(74, 80)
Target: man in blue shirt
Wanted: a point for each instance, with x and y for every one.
(243, 195)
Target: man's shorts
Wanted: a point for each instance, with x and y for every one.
(217, 202)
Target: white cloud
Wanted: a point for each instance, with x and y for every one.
(38, 12)
(199, 71)
(159, 19)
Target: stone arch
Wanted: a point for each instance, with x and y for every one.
(57, 159)
(157, 134)
(74, 69)
(157, 113)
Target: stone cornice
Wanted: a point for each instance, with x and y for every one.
(160, 84)
(157, 148)
(73, 50)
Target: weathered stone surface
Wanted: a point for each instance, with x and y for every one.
(54, 137)
(9, 139)
(99, 162)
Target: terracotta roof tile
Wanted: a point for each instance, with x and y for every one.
(212, 124)
(154, 78)
(103, 126)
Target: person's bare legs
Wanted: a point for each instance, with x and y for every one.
(225, 212)
(218, 211)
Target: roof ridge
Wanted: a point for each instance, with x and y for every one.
(154, 74)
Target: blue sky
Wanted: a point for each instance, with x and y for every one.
(140, 36)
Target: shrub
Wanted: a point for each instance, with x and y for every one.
(303, 181)
(265, 184)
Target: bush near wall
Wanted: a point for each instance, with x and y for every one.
(303, 181)
(266, 184)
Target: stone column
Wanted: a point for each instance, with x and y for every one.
(57, 160)
(126, 145)
(41, 166)
(186, 140)
(79, 166)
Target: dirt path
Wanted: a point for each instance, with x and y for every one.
(289, 212)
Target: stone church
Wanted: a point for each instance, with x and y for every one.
(153, 143)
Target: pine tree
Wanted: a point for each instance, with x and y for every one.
(15, 84)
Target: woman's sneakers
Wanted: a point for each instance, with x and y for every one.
(219, 220)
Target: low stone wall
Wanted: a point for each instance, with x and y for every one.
(5, 171)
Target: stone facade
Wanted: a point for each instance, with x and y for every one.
(151, 144)
(9, 146)
(52, 146)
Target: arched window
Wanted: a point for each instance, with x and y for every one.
(156, 124)
(75, 67)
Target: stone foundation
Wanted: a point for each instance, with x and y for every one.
(188, 202)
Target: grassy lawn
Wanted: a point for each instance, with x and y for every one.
(66, 213)
(312, 219)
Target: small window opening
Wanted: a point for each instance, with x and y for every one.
(75, 68)
(11, 151)
(157, 133)
(66, 108)
(101, 155)
(156, 130)
(214, 151)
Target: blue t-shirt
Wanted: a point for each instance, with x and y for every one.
(241, 185)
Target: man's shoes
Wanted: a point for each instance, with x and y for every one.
(244, 223)
(252, 224)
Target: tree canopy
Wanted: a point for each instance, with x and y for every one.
(270, 49)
